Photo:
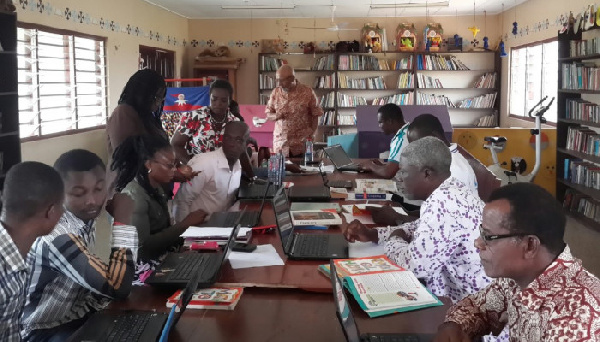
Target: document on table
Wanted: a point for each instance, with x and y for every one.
(211, 232)
(360, 249)
(325, 168)
(263, 255)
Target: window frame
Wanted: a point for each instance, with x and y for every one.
(525, 117)
(73, 35)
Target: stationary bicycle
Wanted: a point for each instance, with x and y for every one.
(497, 144)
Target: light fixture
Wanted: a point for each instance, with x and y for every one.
(257, 7)
(412, 5)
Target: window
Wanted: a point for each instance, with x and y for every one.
(533, 75)
(159, 60)
(62, 81)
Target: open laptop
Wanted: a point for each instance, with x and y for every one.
(305, 246)
(346, 319)
(340, 159)
(348, 184)
(316, 193)
(178, 268)
(256, 190)
(229, 218)
(136, 325)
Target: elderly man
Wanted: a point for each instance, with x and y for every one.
(295, 109)
(437, 247)
(541, 292)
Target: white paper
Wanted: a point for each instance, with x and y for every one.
(206, 232)
(325, 168)
(360, 249)
(348, 208)
(263, 255)
(258, 121)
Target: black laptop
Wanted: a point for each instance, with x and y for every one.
(348, 184)
(228, 218)
(256, 190)
(340, 159)
(135, 325)
(178, 268)
(317, 193)
(346, 319)
(305, 246)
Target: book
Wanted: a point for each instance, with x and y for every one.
(366, 195)
(218, 298)
(324, 206)
(375, 185)
(315, 218)
(381, 287)
(338, 193)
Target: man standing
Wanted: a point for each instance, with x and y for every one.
(541, 291)
(295, 109)
(214, 189)
(32, 204)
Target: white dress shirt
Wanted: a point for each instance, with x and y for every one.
(462, 170)
(213, 190)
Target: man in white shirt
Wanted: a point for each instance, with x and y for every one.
(214, 189)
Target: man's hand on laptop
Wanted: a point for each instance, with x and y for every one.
(376, 162)
(356, 231)
(385, 215)
(366, 167)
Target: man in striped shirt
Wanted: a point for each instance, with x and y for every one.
(69, 282)
(32, 204)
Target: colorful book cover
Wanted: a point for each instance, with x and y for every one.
(219, 298)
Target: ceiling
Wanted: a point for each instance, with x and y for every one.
(211, 9)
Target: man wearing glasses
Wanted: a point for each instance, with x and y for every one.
(295, 109)
(541, 292)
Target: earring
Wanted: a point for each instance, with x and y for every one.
(149, 170)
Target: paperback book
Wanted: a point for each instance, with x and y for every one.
(218, 298)
(315, 217)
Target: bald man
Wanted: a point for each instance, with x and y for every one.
(295, 109)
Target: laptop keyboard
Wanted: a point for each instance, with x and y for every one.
(231, 219)
(313, 245)
(391, 338)
(129, 327)
(187, 267)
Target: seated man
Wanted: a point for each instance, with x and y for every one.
(391, 121)
(214, 189)
(438, 246)
(69, 282)
(32, 204)
(541, 292)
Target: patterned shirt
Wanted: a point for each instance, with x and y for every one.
(68, 281)
(399, 142)
(296, 113)
(441, 250)
(14, 273)
(561, 304)
(201, 129)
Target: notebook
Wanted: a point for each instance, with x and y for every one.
(340, 159)
(305, 246)
(346, 319)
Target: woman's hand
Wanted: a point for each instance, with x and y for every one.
(184, 173)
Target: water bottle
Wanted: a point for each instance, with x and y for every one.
(280, 169)
(273, 166)
(308, 153)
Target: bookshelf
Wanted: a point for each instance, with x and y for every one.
(10, 143)
(578, 126)
(468, 83)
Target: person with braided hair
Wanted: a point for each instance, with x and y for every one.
(143, 164)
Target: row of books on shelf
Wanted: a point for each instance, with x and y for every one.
(487, 121)
(325, 81)
(362, 62)
(580, 109)
(327, 100)
(425, 81)
(576, 202)
(266, 81)
(345, 100)
(438, 62)
(585, 47)
(376, 82)
(270, 63)
(580, 76)
(583, 173)
(324, 63)
(399, 99)
(481, 101)
(583, 139)
(406, 80)
(330, 118)
(488, 80)
(432, 99)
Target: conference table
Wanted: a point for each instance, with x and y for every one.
(288, 303)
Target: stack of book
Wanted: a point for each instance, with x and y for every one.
(438, 62)
(580, 109)
(399, 99)
(324, 63)
(402, 64)
(327, 100)
(361, 62)
(266, 82)
(581, 76)
(271, 64)
(202, 235)
(482, 101)
(218, 298)
(487, 121)
(374, 188)
(376, 82)
(584, 47)
(324, 82)
(432, 99)
(381, 287)
(486, 81)
(429, 82)
(345, 100)
(328, 119)
(406, 80)
(583, 139)
(583, 173)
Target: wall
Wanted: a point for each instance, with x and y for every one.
(240, 34)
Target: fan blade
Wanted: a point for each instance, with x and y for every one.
(310, 28)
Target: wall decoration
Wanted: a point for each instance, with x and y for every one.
(433, 36)
(406, 39)
(372, 37)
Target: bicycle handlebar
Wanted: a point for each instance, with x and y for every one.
(544, 109)
(538, 104)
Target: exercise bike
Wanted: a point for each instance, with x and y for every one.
(497, 144)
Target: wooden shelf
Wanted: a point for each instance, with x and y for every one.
(471, 70)
(9, 134)
(395, 70)
(579, 58)
(471, 109)
(580, 122)
(389, 89)
(578, 91)
(579, 155)
(469, 89)
(581, 188)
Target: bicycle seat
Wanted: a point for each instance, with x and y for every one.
(495, 140)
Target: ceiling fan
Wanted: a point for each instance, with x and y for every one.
(333, 25)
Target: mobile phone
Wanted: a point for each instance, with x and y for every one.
(243, 247)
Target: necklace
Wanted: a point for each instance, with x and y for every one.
(212, 118)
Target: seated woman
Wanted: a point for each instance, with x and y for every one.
(143, 165)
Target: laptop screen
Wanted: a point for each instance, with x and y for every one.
(341, 305)
(337, 155)
(281, 207)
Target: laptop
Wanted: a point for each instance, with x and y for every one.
(305, 246)
(340, 159)
(229, 218)
(348, 184)
(135, 325)
(256, 190)
(178, 268)
(349, 327)
(317, 193)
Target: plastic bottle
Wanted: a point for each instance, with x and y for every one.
(280, 169)
(308, 153)
(273, 166)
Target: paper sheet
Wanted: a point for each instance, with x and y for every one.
(364, 249)
(348, 208)
(325, 168)
(205, 232)
(263, 255)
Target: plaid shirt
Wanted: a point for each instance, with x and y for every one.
(14, 272)
(68, 281)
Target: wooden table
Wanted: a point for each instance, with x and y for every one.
(281, 303)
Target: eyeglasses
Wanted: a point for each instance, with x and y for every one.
(487, 238)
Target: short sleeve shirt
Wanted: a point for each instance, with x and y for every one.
(200, 128)
(398, 143)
